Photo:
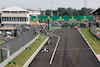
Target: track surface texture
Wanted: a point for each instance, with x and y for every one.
(72, 51)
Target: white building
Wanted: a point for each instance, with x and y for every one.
(34, 12)
(43, 12)
(13, 16)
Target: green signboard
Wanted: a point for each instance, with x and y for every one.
(63, 18)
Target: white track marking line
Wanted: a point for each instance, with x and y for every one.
(74, 49)
(55, 48)
(52, 31)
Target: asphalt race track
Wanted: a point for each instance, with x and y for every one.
(42, 59)
(72, 51)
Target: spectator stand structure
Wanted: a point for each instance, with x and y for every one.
(95, 29)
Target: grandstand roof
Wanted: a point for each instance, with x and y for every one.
(96, 12)
(14, 8)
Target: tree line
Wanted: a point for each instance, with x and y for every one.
(69, 12)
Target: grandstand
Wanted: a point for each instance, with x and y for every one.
(96, 27)
(96, 14)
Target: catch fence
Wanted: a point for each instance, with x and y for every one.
(95, 31)
(7, 48)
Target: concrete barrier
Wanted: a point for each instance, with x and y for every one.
(5, 62)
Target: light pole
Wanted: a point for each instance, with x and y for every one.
(37, 27)
(48, 24)
(44, 13)
(99, 28)
(57, 13)
(51, 9)
(85, 5)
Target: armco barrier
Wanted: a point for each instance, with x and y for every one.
(5, 62)
(93, 30)
(95, 34)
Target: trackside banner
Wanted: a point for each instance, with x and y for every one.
(63, 18)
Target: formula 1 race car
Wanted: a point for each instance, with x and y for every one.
(44, 49)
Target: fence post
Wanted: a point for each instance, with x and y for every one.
(1, 56)
(48, 24)
(8, 51)
(99, 28)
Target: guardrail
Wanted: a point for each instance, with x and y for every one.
(94, 32)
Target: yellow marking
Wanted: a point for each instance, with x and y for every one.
(48, 17)
(84, 17)
(60, 17)
(72, 17)
(36, 17)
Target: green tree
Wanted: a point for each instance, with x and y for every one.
(0, 14)
(70, 12)
(48, 12)
(55, 13)
(62, 11)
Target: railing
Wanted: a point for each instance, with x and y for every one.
(93, 30)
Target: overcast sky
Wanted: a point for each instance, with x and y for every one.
(46, 4)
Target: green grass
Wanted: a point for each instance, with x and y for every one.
(98, 30)
(27, 53)
(1, 41)
(95, 44)
(53, 28)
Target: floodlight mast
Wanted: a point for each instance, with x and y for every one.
(85, 5)
(51, 9)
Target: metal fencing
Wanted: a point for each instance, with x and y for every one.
(9, 47)
(55, 24)
(93, 30)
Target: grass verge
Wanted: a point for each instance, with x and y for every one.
(53, 28)
(27, 53)
(1, 41)
(95, 43)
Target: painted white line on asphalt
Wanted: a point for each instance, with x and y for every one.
(73, 49)
(54, 49)
(46, 31)
(52, 31)
(89, 45)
